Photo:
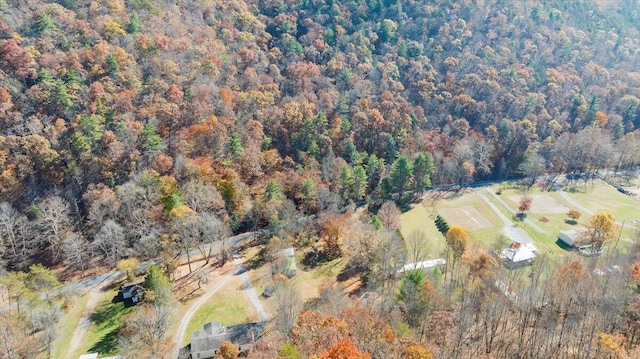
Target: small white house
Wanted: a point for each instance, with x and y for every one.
(570, 237)
(518, 255)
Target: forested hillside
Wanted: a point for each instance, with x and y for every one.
(140, 128)
(116, 113)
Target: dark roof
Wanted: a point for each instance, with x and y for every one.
(127, 287)
(205, 343)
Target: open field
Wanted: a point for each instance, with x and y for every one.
(467, 217)
(491, 226)
(229, 306)
(542, 203)
(597, 197)
(603, 197)
(101, 336)
(545, 219)
(466, 209)
(420, 219)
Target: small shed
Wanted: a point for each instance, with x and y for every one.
(570, 237)
(518, 255)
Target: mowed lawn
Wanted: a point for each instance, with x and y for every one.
(228, 306)
(466, 209)
(604, 197)
(102, 334)
(548, 210)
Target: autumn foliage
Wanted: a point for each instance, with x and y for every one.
(344, 349)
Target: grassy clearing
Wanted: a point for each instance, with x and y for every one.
(228, 306)
(603, 197)
(102, 334)
(599, 197)
(421, 218)
(485, 235)
(67, 325)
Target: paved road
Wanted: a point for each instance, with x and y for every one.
(249, 291)
(86, 284)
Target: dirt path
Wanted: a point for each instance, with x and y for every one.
(222, 281)
(250, 292)
(571, 201)
(510, 230)
(513, 212)
(85, 321)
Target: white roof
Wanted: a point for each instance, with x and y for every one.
(422, 265)
(89, 356)
(529, 246)
(518, 254)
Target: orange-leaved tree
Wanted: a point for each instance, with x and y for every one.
(344, 349)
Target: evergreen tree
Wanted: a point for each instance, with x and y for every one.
(359, 183)
(235, 144)
(423, 168)
(272, 192)
(134, 24)
(401, 174)
(346, 183)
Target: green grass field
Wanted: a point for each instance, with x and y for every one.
(546, 218)
(604, 197)
(421, 217)
(228, 307)
(102, 334)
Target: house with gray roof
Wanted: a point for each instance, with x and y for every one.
(205, 343)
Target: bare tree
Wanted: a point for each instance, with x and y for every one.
(74, 250)
(213, 231)
(417, 246)
(202, 197)
(16, 340)
(143, 334)
(533, 167)
(54, 222)
(288, 303)
(16, 235)
(110, 241)
(389, 215)
(189, 232)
